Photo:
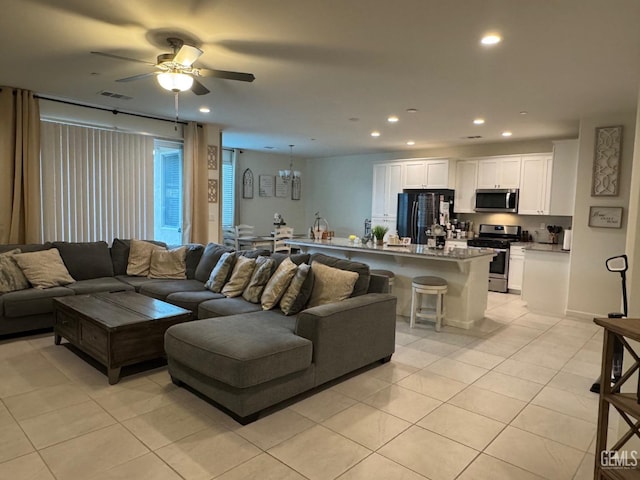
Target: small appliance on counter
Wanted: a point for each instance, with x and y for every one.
(566, 242)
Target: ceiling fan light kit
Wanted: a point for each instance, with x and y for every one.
(175, 81)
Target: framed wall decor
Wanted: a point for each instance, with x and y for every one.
(212, 193)
(247, 184)
(295, 188)
(212, 157)
(265, 187)
(605, 217)
(606, 161)
(282, 188)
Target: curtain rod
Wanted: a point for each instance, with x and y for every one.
(114, 111)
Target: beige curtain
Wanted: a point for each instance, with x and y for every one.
(195, 180)
(20, 166)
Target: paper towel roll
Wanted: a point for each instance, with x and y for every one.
(566, 243)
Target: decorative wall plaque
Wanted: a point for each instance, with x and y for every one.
(282, 189)
(213, 190)
(295, 188)
(606, 217)
(606, 161)
(247, 184)
(265, 187)
(212, 157)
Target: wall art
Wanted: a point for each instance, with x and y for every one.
(605, 217)
(265, 187)
(212, 157)
(606, 161)
(212, 190)
(247, 184)
(282, 187)
(296, 185)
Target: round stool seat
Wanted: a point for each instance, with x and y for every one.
(427, 281)
(384, 273)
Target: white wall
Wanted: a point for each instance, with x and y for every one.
(593, 291)
(259, 211)
(633, 235)
(341, 190)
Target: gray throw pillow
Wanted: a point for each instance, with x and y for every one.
(220, 272)
(208, 260)
(299, 291)
(278, 284)
(261, 275)
(86, 260)
(11, 276)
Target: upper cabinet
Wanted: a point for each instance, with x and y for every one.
(535, 185)
(423, 174)
(499, 172)
(466, 184)
(564, 177)
(387, 183)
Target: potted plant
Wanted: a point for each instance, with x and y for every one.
(378, 233)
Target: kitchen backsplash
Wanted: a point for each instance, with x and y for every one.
(531, 223)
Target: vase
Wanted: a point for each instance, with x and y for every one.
(379, 242)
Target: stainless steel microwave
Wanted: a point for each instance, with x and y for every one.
(497, 200)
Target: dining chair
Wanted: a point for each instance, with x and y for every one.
(242, 231)
(280, 237)
(229, 236)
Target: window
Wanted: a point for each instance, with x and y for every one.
(167, 166)
(228, 187)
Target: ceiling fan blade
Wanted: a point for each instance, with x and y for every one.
(119, 57)
(187, 55)
(198, 88)
(242, 77)
(136, 77)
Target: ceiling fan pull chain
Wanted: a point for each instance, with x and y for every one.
(176, 103)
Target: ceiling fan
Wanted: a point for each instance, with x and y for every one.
(175, 71)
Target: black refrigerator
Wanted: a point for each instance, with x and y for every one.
(418, 210)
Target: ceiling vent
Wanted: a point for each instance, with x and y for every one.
(472, 137)
(119, 96)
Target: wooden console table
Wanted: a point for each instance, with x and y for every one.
(117, 329)
(620, 465)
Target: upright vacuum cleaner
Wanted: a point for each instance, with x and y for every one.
(616, 264)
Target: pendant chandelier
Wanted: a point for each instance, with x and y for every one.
(290, 173)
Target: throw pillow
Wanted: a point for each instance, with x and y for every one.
(299, 291)
(168, 263)
(86, 260)
(210, 256)
(44, 269)
(120, 254)
(277, 284)
(140, 257)
(11, 277)
(362, 269)
(220, 272)
(261, 274)
(330, 284)
(242, 271)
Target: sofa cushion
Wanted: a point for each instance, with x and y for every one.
(241, 351)
(139, 282)
(11, 276)
(25, 247)
(86, 260)
(330, 284)
(120, 254)
(44, 269)
(297, 258)
(225, 307)
(298, 292)
(208, 260)
(32, 301)
(277, 284)
(140, 257)
(161, 289)
(104, 284)
(240, 276)
(194, 254)
(261, 275)
(362, 284)
(191, 300)
(169, 264)
(220, 272)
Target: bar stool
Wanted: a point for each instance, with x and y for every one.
(428, 286)
(386, 273)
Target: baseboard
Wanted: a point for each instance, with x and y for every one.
(582, 315)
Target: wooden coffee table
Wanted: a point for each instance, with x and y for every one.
(117, 329)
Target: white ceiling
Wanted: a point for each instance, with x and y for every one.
(319, 64)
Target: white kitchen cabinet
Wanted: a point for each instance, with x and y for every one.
(499, 172)
(516, 269)
(564, 177)
(535, 185)
(466, 184)
(433, 173)
(387, 183)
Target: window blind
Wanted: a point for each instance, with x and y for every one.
(96, 184)
(228, 188)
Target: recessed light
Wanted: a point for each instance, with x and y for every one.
(411, 142)
(478, 121)
(392, 119)
(491, 39)
(270, 148)
(524, 112)
(375, 133)
(507, 134)
(205, 109)
(354, 119)
(412, 110)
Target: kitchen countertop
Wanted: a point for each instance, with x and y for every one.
(546, 247)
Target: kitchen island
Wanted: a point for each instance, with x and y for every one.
(466, 271)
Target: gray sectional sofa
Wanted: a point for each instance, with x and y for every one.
(240, 356)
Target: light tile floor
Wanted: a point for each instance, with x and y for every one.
(508, 399)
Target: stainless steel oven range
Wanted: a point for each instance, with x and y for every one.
(498, 237)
